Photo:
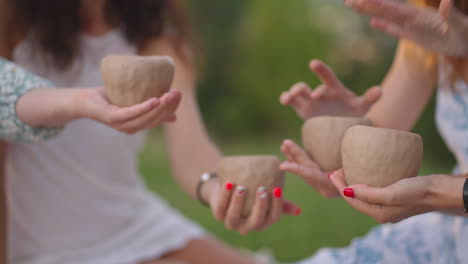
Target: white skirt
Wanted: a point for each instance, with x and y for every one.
(156, 232)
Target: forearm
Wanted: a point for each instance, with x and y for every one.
(190, 148)
(406, 89)
(46, 107)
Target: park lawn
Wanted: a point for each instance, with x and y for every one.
(323, 222)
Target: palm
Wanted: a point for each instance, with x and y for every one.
(343, 104)
(330, 98)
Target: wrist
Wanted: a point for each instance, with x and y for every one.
(446, 192)
(208, 188)
(77, 103)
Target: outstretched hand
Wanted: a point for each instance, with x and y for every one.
(94, 104)
(330, 98)
(299, 163)
(444, 31)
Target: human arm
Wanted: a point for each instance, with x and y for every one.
(193, 153)
(405, 198)
(444, 30)
(32, 111)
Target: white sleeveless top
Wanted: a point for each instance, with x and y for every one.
(452, 115)
(78, 198)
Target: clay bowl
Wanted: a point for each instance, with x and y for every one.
(131, 80)
(322, 136)
(379, 157)
(251, 172)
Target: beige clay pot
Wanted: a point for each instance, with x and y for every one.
(322, 136)
(379, 157)
(251, 172)
(131, 80)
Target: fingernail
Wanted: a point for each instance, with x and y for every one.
(277, 192)
(241, 190)
(169, 97)
(155, 102)
(298, 211)
(348, 192)
(262, 192)
(229, 186)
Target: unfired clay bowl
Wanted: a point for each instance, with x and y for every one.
(131, 80)
(251, 172)
(322, 136)
(379, 157)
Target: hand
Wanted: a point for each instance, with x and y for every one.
(330, 98)
(153, 112)
(299, 163)
(444, 31)
(227, 200)
(403, 199)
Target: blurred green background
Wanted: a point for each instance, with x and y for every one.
(252, 51)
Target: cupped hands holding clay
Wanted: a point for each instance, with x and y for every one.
(322, 137)
(93, 103)
(136, 95)
(331, 98)
(247, 195)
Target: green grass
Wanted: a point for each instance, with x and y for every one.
(323, 223)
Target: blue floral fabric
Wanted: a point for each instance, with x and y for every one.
(14, 82)
(425, 239)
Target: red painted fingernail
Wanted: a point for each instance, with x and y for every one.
(229, 186)
(298, 211)
(277, 192)
(349, 192)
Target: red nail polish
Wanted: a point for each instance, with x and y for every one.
(349, 192)
(298, 211)
(277, 192)
(229, 186)
(329, 175)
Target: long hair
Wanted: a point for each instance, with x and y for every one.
(56, 25)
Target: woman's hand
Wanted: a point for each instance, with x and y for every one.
(92, 103)
(444, 31)
(330, 98)
(227, 201)
(403, 199)
(299, 163)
